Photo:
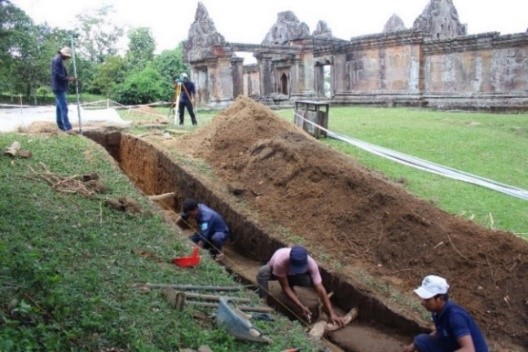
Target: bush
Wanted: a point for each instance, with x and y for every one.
(43, 91)
(142, 87)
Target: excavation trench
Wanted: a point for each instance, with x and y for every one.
(377, 328)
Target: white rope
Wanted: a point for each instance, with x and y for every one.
(425, 165)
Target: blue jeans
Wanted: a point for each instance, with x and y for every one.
(62, 111)
(181, 107)
(213, 244)
(428, 343)
(265, 274)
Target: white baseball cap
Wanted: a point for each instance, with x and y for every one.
(432, 285)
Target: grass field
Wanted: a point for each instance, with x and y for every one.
(69, 264)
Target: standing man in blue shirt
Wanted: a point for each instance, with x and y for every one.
(187, 94)
(212, 230)
(455, 328)
(59, 86)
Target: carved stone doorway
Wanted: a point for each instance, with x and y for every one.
(324, 80)
(327, 81)
(202, 85)
(283, 88)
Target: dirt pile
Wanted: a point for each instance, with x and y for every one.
(358, 218)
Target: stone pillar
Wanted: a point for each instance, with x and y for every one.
(222, 84)
(266, 73)
(296, 71)
(237, 67)
(341, 75)
(199, 75)
(319, 80)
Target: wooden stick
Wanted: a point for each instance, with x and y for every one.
(215, 297)
(456, 250)
(162, 196)
(192, 287)
(438, 245)
(491, 271)
(44, 166)
(100, 213)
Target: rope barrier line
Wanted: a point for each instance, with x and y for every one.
(235, 265)
(425, 165)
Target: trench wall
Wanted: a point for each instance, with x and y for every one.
(154, 172)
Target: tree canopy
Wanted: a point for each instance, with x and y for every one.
(26, 51)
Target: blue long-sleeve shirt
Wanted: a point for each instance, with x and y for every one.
(210, 222)
(59, 75)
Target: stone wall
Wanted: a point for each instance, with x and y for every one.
(378, 69)
(486, 71)
(399, 67)
(251, 81)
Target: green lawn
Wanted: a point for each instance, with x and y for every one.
(68, 264)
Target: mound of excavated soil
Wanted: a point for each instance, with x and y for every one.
(358, 218)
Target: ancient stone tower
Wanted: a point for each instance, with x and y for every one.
(394, 24)
(439, 20)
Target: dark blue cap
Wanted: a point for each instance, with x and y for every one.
(188, 205)
(298, 260)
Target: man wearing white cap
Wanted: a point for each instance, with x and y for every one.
(59, 86)
(455, 328)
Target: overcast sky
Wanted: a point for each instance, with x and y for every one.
(248, 21)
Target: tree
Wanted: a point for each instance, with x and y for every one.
(108, 76)
(98, 37)
(142, 87)
(170, 64)
(16, 30)
(141, 47)
(26, 50)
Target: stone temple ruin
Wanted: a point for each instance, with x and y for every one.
(433, 64)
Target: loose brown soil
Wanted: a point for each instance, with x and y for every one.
(360, 219)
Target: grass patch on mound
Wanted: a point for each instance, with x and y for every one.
(488, 145)
(69, 264)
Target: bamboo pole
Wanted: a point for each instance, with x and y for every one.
(179, 299)
(242, 308)
(193, 287)
(215, 297)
